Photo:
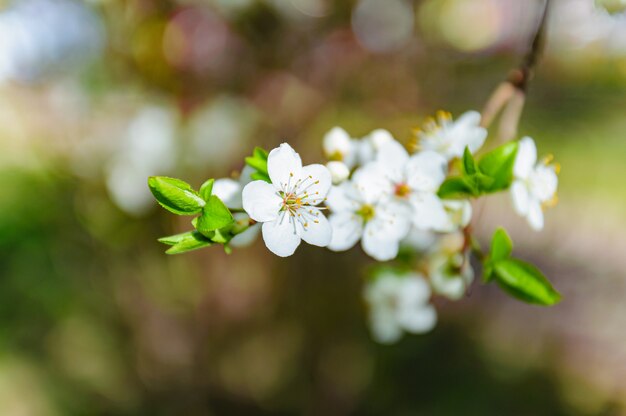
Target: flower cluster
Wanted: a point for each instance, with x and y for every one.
(413, 200)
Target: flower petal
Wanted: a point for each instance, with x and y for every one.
(520, 197)
(261, 201)
(420, 240)
(392, 157)
(418, 320)
(535, 216)
(280, 236)
(384, 326)
(392, 220)
(372, 183)
(318, 231)
(315, 183)
(245, 176)
(339, 171)
(229, 191)
(344, 197)
(468, 132)
(543, 182)
(380, 137)
(247, 237)
(429, 212)
(459, 211)
(443, 280)
(283, 166)
(426, 171)
(525, 159)
(378, 247)
(347, 229)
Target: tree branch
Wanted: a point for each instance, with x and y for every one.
(520, 76)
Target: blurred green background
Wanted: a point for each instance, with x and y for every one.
(95, 319)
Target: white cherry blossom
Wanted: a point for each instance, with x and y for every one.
(399, 303)
(449, 138)
(534, 185)
(413, 180)
(450, 275)
(340, 147)
(287, 207)
(356, 213)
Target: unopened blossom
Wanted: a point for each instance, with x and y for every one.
(339, 146)
(413, 180)
(359, 214)
(399, 303)
(339, 171)
(449, 137)
(534, 185)
(287, 207)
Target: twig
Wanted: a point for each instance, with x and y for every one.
(520, 76)
(511, 94)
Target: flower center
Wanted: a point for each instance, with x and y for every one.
(402, 190)
(366, 212)
(292, 202)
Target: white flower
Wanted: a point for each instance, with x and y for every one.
(449, 138)
(368, 147)
(459, 213)
(450, 275)
(420, 240)
(413, 180)
(534, 185)
(287, 206)
(397, 304)
(357, 213)
(339, 172)
(339, 146)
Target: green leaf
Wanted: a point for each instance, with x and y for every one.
(469, 164)
(174, 239)
(214, 216)
(525, 282)
(258, 161)
(456, 187)
(498, 164)
(501, 246)
(258, 176)
(175, 195)
(206, 189)
(260, 153)
(189, 241)
(221, 236)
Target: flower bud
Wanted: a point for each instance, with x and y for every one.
(337, 144)
(339, 172)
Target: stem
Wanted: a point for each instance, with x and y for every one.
(520, 76)
(511, 94)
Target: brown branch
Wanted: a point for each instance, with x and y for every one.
(520, 76)
(510, 95)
